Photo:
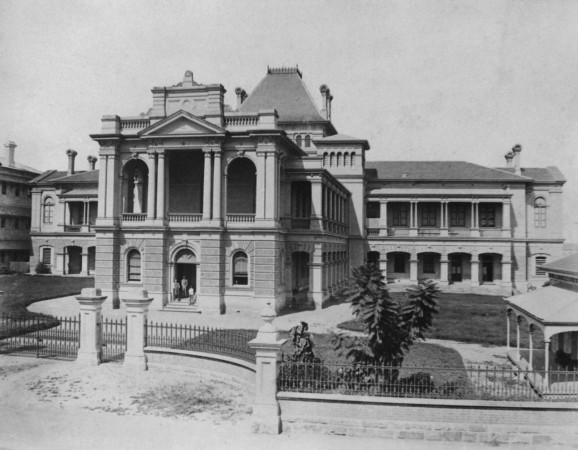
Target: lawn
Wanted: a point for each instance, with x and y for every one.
(23, 290)
(474, 318)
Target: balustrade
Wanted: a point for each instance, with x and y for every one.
(185, 218)
(240, 218)
(242, 121)
(134, 217)
(134, 124)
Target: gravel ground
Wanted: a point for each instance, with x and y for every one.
(61, 405)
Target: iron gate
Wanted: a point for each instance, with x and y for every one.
(113, 339)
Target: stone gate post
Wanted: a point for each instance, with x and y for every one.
(90, 350)
(137, 304)
(266, 413)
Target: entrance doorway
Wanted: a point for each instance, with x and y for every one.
(74, 260)
(456, 270)
(185, 268)
(487, 269)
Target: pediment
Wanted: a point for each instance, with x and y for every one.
(182, 124)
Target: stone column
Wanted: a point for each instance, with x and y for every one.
(90, 349)
(84, 268)
(207, 186)
(507, 273)
(266, 413)
(316, 204)
(271, 190)
(161, 186)
(152, 188)
(413, 269)
(383, 265)
(217, 180)
(102, 186)
(261, 183)
(316, 276)
(444, 279)
(444, 230)
(383, 217)
(475, 270)
(413, 228)
(137, 304)
(475, 229)
(508, 315)
(506, 227)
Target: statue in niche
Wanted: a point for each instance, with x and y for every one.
(137, 191)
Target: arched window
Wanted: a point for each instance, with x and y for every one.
(540, 261)
(352, 159)
(46, 256)
(133, 266)
(298, 140)
(345, 159)
(332, 160)
(540, 213)
(135, 186)
(325, 157)
(48, 210)
(339, 159)
(240, 269)
(307, 141)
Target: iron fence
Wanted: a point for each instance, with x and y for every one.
(40, 336)
(232, 343)
(113, 339)
(471, 383)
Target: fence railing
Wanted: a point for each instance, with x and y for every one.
(469, 383)
(240, 218)
(40, 336)
(134, 217)
(203, 339)
(185, 218)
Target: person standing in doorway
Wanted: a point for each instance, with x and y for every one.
(184, 287)
(176, 291)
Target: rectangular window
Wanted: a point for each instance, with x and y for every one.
(4, 188)
(428, 216)
(372, 210)
(487, 216)
(399, 263)
(428, 264)
(540, 217)
(16, 222)
(16, 190)
(46, 256)
(399, 215)
(458, 216)
(2, 222)
(540, 261)
(134, 267)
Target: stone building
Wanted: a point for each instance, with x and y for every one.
(268, 202)
(64, 207)
(14, 211)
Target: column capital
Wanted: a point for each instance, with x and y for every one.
(383, 199)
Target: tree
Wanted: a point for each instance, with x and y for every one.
(389, 329)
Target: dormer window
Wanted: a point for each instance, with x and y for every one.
(298, 140)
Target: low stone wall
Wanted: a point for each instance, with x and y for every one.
(431, 420)
(206, 365)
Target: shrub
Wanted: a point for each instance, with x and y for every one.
(42, 268)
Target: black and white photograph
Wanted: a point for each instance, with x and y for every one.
(274, 224)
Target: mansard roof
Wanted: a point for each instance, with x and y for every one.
(285, 91)
(437, 170)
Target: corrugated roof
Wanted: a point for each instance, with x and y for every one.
(551, 304)
(436, 170)
(567, 265)
(549, 174)
(286, 93)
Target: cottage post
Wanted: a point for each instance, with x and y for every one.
(266, 413)
(90, 350)
(137, 304)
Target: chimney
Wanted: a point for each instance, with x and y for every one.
(91, 161)
(241, 96)
(9, 156)
(517, 160)
(188, 80)
(325, 101)
(71, 155)
(509, 159)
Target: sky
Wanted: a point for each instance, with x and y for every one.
(419, 79)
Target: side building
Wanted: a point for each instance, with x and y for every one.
(64, 208)
(15, 208)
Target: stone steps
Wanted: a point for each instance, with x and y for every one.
(181, 307)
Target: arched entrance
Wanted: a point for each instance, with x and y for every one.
(184, 268)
